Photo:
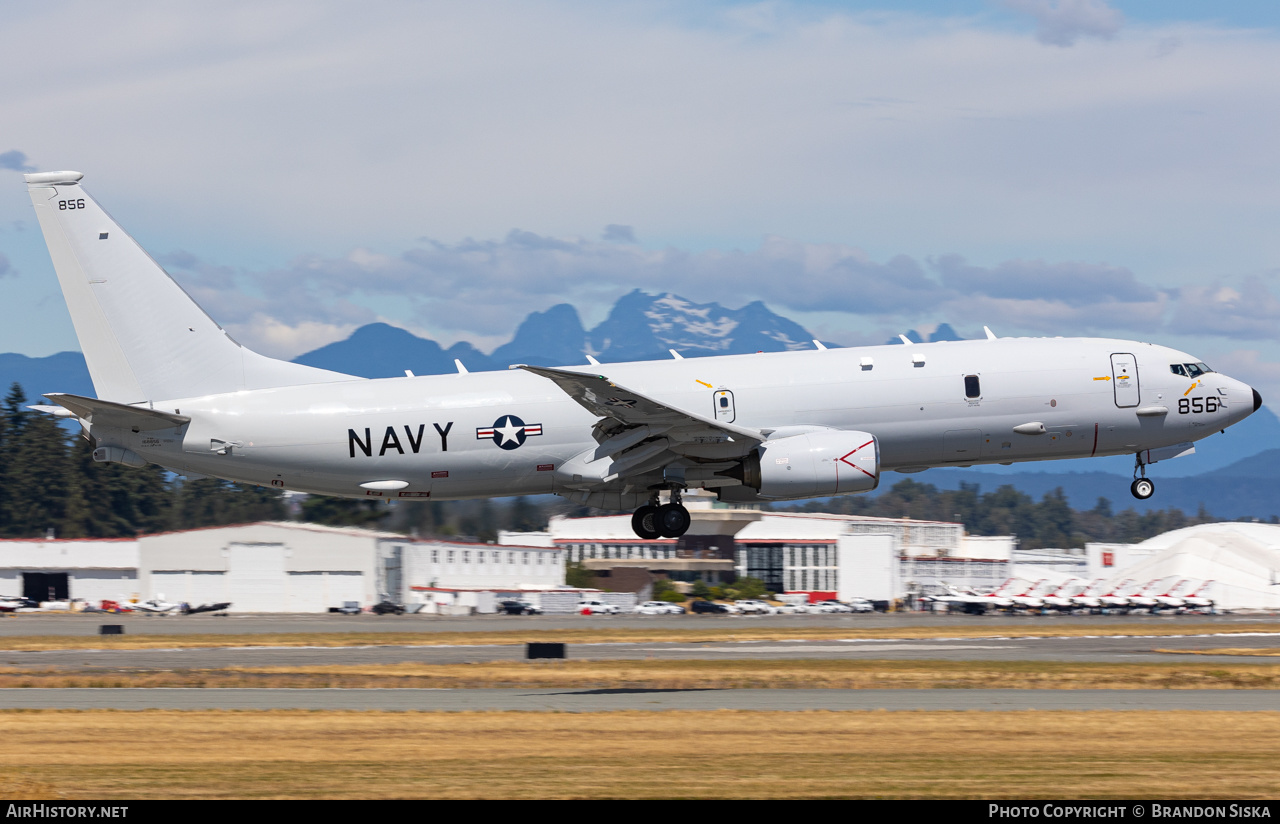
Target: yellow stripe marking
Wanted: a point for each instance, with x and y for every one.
(1105, 378)
(1189, 388)
(704, 383)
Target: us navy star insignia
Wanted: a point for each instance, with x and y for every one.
(508, 432)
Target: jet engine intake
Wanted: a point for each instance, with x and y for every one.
(835, 462)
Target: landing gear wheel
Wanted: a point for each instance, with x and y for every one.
(1143, 488)
(645, 522)
(672, 520)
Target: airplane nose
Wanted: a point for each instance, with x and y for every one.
(1257, 401)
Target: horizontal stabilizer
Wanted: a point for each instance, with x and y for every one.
(117, 415)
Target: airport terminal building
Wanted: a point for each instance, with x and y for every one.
(821, 556)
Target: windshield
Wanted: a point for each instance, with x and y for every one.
(1190, 370)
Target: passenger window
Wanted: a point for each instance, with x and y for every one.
(1178, 369)
(724, 402)
(971, 387)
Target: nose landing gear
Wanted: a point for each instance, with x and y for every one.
(670, 520)
(1142, 488)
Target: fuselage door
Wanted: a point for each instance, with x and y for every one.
(724, 405)
(1124, 379)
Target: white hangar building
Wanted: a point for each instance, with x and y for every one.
(294, 567)
(268, 567)
(95, 569)
(1239, 561)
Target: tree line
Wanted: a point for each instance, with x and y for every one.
(50, 484)
(49, 481)
(1049, 522)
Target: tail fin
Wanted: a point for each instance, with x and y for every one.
(143, 337)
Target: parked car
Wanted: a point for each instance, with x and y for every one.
(861, 605)
(518, 608)
(659, 608)
(834, 606)
(387, 608)
(348, 608)
(787, 609)
(590, 606)
(709, 608)
(751, 606)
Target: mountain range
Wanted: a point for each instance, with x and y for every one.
(1230, 475)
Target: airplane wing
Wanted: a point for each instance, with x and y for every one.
(639, 434)
(602, 397)
(107, 413)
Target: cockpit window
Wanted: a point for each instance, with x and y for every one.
(1189, 370)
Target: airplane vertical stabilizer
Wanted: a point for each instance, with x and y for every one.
(143, 337)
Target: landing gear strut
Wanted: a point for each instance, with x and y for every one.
(1142, 488)
(670, 520)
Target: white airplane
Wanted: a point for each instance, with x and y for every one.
(1084, 599)
(156, 606)
(1168, 600)
(1025, 599)
(174, 389)
(1145, 598)
(1195, 600)
(1115, 597)
(1056, 597)
(971, 602)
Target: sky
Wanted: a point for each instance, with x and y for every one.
(1043, 167)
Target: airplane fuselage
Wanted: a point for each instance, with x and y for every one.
(508, 433)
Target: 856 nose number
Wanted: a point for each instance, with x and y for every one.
(1189, 405)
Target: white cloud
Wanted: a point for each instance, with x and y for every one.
(15, 160)
(1063, 22)
(480, 290)
(860, 145)
(1246, 309)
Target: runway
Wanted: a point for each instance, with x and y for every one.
(1098, 649)
(81, 624)
(608, 700)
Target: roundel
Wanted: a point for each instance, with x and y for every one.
(509, 432)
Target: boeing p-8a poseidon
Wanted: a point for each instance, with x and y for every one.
(175, 390)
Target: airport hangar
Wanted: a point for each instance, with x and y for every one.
(277, 567)
(293, 567)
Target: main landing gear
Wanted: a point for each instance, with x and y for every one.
(654, 520)
(1142, 488)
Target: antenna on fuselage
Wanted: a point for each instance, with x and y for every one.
(990, 335)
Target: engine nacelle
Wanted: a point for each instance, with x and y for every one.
(835, 462)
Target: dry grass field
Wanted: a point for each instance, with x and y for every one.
(1256, 652)
(718, 629)
(685, 674)
(298, 754)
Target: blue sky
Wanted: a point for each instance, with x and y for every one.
(1047, 167)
